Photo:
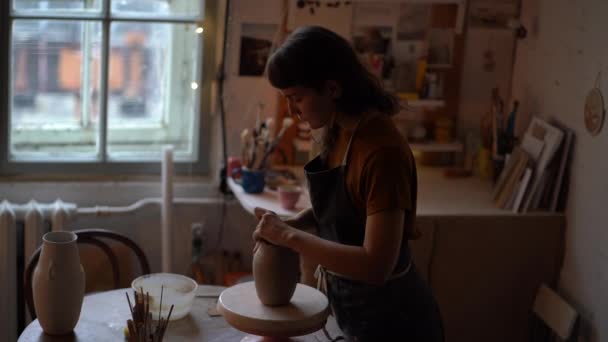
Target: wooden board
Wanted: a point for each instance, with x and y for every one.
(555, 312)
(306, 313)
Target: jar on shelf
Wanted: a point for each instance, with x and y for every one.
(444, 127)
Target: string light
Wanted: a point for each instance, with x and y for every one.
(199, 30)
(194, 85)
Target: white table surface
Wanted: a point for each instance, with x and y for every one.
(437, 195)
(268, 199)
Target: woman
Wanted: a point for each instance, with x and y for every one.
(362, 189)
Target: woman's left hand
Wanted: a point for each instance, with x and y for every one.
(271, 228)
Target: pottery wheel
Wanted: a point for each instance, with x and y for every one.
(242, 309)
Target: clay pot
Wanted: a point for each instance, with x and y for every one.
(289, 195)
(58, 283)
(275, 273)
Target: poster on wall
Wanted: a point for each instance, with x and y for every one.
(440, 47)
(411, 32)
(337, 18)
(413, 22)
(374, 14)
(256, 42)
(373, 45)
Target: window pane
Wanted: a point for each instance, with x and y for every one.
(153, 89)
(158, 7)
(55, 70)
(57, 5)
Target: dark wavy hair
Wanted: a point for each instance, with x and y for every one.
(313, 55)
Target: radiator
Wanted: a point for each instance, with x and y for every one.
(21, 230)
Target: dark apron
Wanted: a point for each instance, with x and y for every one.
(403, 309)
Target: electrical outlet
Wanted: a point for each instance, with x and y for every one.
(199, 236)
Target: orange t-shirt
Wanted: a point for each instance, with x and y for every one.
(380, 171)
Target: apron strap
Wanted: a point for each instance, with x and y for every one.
(347, 152)
(321, 275)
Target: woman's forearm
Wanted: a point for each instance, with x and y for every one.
(351, 261)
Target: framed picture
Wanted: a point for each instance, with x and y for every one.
(256, 42)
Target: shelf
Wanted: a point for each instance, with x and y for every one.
(439, 67)
(430, 103)
(437, 147)
(489, 28)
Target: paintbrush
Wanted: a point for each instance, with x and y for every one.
(270, 135)
(269, 127)
(258, 124)
(245, 146)
(140, 325)
(252, 153)
(259, 152)
(287, 122)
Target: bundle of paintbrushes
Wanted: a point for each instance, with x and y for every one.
(258, 144)
(140, 327)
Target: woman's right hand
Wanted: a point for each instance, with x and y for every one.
(272, 229)
(259, 214)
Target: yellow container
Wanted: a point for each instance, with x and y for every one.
(420, 74)
(484, 161)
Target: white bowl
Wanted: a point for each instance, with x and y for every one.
(178, 290)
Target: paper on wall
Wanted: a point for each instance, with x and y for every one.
(337, 19)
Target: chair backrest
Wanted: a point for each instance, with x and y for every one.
(91, 237)
(555, 313)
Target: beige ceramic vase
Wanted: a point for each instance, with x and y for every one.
(275, 273)
(58, 283)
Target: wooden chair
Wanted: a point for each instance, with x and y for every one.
(91, 237)
(553, 318)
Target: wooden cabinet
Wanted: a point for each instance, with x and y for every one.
(485, 270)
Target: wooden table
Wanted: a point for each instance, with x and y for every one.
(104, 315)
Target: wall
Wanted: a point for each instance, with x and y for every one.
(241, 94)
(556, 66)
(144, 224)
(477, 83)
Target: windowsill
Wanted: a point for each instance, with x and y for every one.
(106, 191)
(53, 178)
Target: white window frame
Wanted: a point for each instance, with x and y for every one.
(102, 165)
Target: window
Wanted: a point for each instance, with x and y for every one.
(101, 85)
